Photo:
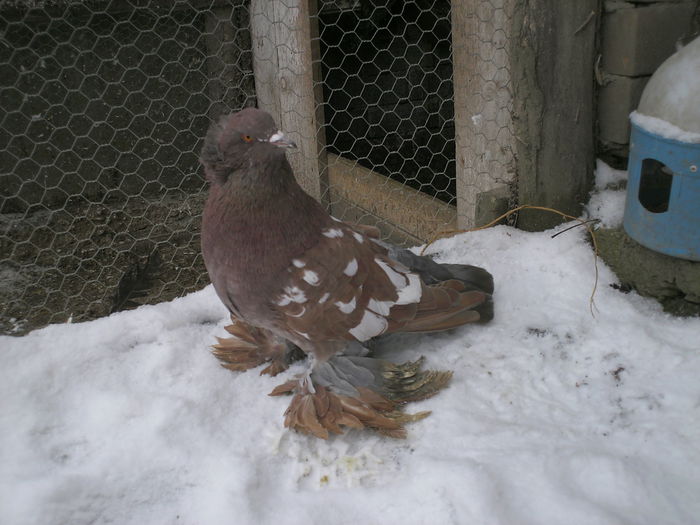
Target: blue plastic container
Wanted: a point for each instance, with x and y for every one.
(662, 211)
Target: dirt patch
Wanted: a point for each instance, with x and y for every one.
(674, 282)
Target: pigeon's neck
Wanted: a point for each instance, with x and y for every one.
(264, 206)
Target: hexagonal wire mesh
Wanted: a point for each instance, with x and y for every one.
(386, 74)
(104, 105)
(387, 86)
(103, 108)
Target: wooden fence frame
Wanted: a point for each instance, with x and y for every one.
(535, 60)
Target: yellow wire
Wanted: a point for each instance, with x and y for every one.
(449, 233)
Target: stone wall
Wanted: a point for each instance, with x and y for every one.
(635, 39)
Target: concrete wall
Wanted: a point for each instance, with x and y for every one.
(635, 39)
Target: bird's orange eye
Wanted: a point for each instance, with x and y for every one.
(247, 138)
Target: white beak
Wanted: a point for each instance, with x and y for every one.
(281, 140)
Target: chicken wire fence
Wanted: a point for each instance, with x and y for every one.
(104, 106)
(387, 88)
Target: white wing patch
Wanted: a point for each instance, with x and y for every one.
(407, 285)
(351, 268)
(358, 237)
(298, 263)
(324, 298)
(370, 326)
(380, 307)
(292, 294)
(398, 280)
(411, 293)
(332, 233)
(346, 308)
(311, 277)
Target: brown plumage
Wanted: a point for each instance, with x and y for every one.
(250, 346)
(295, 278)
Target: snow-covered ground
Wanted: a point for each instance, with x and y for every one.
(553, 416)
(607, 200)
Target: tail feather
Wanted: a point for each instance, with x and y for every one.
(432, 272)
(472, 276)
(462, 278)
(440, 322)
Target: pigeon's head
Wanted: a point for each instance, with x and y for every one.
(232, 142)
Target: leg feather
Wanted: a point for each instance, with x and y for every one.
(250, 346)
(358, 403)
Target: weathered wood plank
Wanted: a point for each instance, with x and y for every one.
(386, 201)
(552, 56)
(484, 134)
(285, 83)
(524, 104)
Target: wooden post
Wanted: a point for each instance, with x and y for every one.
(484, 136)
(552, 63)
(523, 88)
(287, 82)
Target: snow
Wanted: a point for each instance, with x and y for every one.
(553, 416)
(607, 200)
(607, 177)
(673, 91)
(663, 128)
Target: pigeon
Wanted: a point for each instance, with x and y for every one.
(299, 283)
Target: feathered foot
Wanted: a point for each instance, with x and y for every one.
(359, 392)
(405, 382)
(251, 346)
